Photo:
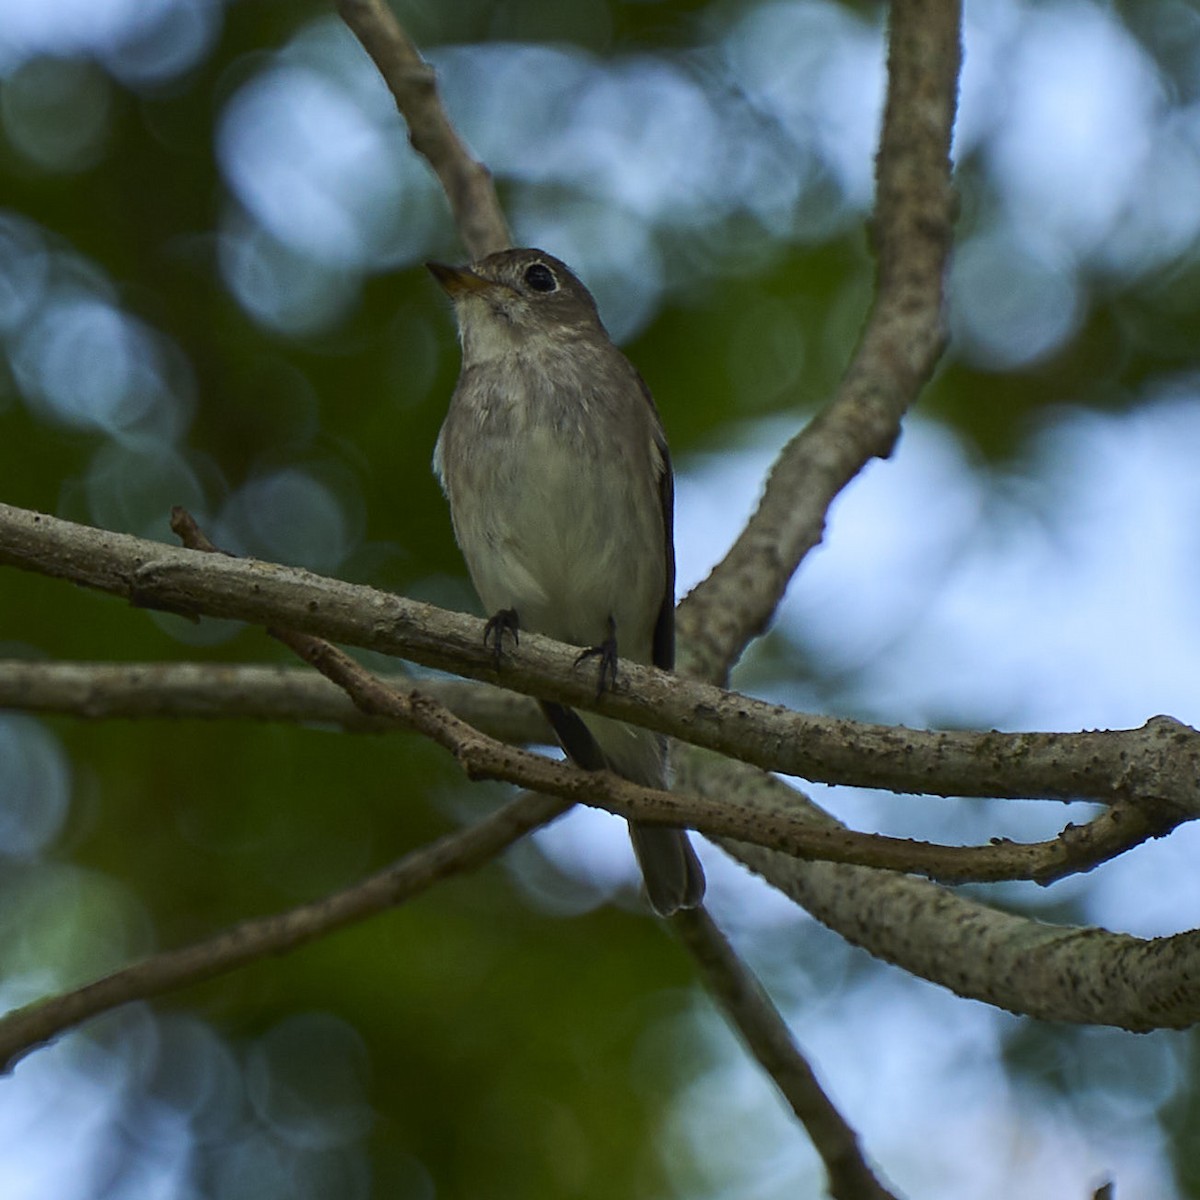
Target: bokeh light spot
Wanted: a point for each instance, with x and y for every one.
(57, 113)
(35, 787)
(307, 1077)
(291, 516)
(1010, 306)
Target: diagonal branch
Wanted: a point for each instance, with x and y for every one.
(1053, 972)
(792, 831)
(26, 1028)
(751, 1013)
(902, 341)
(411, 80)
(1155, 768)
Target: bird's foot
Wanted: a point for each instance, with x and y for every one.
(504, 622)
(606, 652)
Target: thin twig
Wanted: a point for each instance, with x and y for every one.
(411, 80)
(141, 694)
(750, 1011)
(26, 1028)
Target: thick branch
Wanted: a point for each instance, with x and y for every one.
(411, 80)
(1156, 768)
(484, 758)
(1085, 975)
(902, 341)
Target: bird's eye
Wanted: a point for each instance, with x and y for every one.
(541, 278)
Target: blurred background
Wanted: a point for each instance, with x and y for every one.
(211, 231)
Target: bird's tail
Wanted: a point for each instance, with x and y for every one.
(672, 872)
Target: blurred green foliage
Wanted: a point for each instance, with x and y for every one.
(510, 1051)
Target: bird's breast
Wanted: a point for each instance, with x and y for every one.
(557, 517)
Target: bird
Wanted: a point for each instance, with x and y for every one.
(555, 465)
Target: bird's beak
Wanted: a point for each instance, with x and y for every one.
(456, 281)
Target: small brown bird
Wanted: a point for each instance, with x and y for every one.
(555, 464)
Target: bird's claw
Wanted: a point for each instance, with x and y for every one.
(606, 652)
(503, 622)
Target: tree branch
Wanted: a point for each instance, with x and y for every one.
(766, 1035)
(484, 758)
(411, 80)
(1055, 973)
(227, 691)
(1155, 768)
(140, 692)
(902, 340)
(26, 1028)
(735, 986)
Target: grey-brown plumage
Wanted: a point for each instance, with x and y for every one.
(556, 468)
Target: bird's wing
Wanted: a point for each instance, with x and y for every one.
(663, 646)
